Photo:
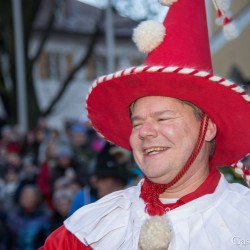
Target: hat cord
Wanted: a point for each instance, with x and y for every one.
(150, 191)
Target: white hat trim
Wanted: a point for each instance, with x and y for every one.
(180, 70)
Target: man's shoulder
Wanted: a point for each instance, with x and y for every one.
(237, 190)
(114, 213)
(122, 200)
(225, 195)
(238, 195)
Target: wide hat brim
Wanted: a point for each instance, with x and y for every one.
(225, 102)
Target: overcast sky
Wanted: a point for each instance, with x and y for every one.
(134, 9)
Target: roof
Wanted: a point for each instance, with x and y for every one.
(75, 17)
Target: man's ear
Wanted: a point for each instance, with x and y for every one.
(211, 131)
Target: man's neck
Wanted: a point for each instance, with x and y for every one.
(186, 185)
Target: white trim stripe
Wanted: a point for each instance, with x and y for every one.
(100, 79)
(239, 171)
(190, 71)
(186, 71)
(170, 69)
(238, 89)
(240, 165)
(202, 73)
(109, 77)
(101, 135)
(215, 78)
(94, 84)
(128, 71)
(118, 73)
(154, 69)
(139, 69)
(246, 97)
(227, 83)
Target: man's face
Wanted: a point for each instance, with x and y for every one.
(164, 134)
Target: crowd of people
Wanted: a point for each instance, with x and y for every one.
(181, 122)
(47, 174)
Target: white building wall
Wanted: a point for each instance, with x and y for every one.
(72, 104)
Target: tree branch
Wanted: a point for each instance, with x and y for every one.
(91, 46)
(47, 30)
(30, 10)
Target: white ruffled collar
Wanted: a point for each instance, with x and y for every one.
(115, 220)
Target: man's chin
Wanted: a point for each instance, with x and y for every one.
(159, 179)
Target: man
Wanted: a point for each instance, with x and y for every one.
(112, 171)
(181, 122)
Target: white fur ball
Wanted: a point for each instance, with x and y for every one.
(148, 35)
(155, 234)
(230, 31)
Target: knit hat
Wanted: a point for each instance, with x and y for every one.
(178, 65)
(110, 164)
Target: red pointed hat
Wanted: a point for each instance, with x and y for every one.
(178, 65)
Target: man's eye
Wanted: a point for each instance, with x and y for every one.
(135, 125)
(163, 119)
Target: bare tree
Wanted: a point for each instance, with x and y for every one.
(8, 88)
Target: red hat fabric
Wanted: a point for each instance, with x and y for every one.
(180, 67)
(186, 42)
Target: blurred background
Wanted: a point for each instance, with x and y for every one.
(51, 160)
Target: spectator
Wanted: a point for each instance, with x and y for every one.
(62, 199)
(64, 165)
(81, 147)
(28, 226)
(27, 175)
(10, 184)
(9, 141)
(112, 173)
(44, 174)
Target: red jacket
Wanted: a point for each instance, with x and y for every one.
(64, 240)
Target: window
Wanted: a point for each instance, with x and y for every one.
(55, 65)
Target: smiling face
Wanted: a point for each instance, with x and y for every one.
(164, 134)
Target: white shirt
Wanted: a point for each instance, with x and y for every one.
(220, 220)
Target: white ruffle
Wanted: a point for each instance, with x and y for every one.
(112, 222)
(209, 222)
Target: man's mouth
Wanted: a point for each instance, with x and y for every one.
(154, 150)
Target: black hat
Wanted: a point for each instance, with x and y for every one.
(108, 165)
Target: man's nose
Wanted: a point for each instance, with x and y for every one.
(147, 129)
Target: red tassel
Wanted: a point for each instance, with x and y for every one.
(226, 20)
(219, 13)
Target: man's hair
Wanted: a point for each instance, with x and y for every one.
(197, 111)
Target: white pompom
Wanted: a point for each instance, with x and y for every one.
(224, 4)
(230, 31)
(167, 2)
(219, 21)
(155, 234)
(148, 35)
